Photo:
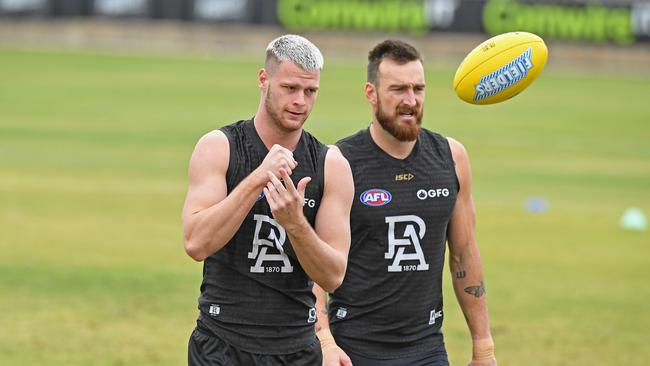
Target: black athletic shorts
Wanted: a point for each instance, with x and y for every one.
(437, 357)
(209, 350)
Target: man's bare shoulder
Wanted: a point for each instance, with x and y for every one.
(334, 147)
(335, 162)
(458, 151)
(213, 139)
(211, 151)
(461, 160)
(338, 178)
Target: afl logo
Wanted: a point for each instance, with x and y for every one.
(375, 197)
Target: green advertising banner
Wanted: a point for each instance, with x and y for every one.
(620, 23)
(380, 15)
(592, 22)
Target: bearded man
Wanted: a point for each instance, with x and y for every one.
(412, 197)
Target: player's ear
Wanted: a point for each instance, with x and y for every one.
(371, 93)
(262, 78)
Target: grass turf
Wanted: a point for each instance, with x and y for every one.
(93, 159)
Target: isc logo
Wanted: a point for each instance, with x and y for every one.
(375, 197)
(405, 176)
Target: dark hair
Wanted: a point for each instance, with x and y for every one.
(398, 51)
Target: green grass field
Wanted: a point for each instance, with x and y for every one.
(93, 160)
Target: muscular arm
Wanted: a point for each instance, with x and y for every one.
(465, 261)
(211, 216)
(323, 250)
(332, 354)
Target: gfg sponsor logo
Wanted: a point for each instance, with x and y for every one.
(375, 197)
(310, 202)
(423, 194)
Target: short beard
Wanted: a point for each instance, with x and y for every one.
(273, 114)
(404, 134)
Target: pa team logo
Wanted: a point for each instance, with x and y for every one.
(375, 197)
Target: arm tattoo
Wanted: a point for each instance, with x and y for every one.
(477, 291)
(461, 274)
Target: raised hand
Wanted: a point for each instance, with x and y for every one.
(284, 198)
(277, 158)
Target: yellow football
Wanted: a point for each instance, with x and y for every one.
(500, 68)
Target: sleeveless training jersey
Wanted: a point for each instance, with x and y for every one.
(255, 295)
(390, 302)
